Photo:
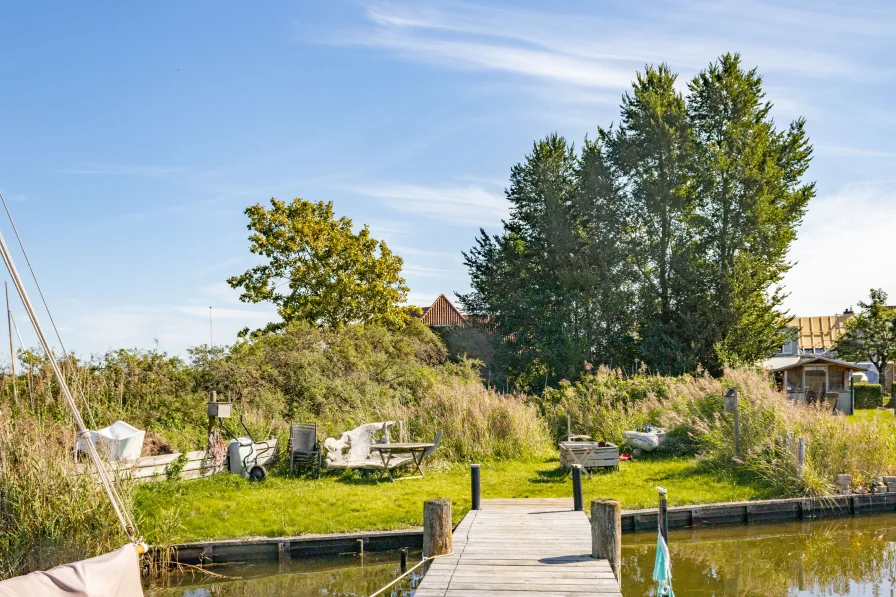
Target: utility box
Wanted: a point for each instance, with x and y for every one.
(730, 401)
(221, 410)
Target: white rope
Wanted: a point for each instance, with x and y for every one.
(118, 506)
(423, 561)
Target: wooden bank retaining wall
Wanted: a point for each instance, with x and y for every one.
(280, 548)
(785, 510)
(729, 513)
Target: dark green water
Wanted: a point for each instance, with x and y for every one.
(853, 557)
(842, 557)
(342, 576)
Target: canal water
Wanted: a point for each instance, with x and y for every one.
(853, 557)
(339, 576)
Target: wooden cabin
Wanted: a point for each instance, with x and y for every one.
(812, 379)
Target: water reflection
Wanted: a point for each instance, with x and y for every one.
(341, 576)
(845, 557)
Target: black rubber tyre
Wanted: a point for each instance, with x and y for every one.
(258, 473)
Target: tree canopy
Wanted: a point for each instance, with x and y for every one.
(318, 270)
(662, 243)
(870, 335)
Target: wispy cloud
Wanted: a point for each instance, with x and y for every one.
(469, 206)
(598, 52)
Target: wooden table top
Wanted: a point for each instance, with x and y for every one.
(402, 446)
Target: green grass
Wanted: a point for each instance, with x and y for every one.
(226, 506)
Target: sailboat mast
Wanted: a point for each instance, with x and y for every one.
(12, 354)
(121, 511)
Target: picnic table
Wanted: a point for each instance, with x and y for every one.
(390, 450)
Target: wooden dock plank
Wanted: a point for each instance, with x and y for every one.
(521, 548)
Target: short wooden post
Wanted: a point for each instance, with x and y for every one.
(731, 406)
(663, 515)
(800, 455)
(606, 534)
(475, 486)
(436, 527)
(577, 502)
(404, 559)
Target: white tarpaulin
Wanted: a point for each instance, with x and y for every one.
(120, 441)
(115, 574)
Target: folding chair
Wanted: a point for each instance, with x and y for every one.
(304, 449)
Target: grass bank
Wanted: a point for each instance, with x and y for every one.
(226, 506)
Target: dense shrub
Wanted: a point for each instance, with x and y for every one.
(868, 395)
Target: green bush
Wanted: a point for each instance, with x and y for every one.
(869, 395)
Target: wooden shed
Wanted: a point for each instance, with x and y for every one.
(443, 313)
(817, 378)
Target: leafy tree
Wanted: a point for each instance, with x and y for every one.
(652, 150)
(666, 239)
(319, 270)
(870, 335)
(539, 284)
(750, 199)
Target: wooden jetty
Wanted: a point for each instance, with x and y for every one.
(521, 548)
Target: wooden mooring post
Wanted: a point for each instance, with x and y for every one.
(606, 534)
(577, 501)
(475, 486)
(436, 527)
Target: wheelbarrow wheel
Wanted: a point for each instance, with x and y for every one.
(258, 473)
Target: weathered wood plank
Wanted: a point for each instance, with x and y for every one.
(512, 548)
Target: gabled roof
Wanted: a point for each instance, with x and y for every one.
(822, 360)
(443, 313)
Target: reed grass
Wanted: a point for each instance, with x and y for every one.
(48, 514)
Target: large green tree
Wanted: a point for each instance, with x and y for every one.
(750, 199)
(317, 269)
(664, 240)
(537, 285)
(651, 151)
(870, 335)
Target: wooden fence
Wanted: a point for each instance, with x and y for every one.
(198, 465)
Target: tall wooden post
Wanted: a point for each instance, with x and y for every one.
(475, 486)
(577, 501)
(437, 527)
(606, 534)
(800, 455)
(731, 406)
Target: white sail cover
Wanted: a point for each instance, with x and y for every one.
(115, 574)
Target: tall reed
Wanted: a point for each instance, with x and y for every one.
(48, 514)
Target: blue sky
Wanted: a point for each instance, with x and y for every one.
(133, 135)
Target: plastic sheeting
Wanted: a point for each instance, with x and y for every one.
(121, 441)
(115, 574)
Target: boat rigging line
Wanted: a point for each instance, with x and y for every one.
(118, 505)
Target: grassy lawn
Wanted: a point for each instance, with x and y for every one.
(227, 506)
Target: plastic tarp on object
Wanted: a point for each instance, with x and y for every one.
(115, 574)
(121, 441)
